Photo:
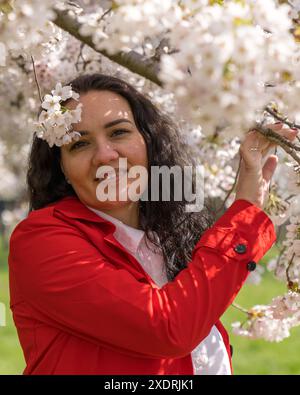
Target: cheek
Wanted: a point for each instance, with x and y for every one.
(138, 153)
(77, 167)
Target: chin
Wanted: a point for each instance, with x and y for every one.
(108, 205)
(113, 196)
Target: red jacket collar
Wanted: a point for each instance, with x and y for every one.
(72, 207)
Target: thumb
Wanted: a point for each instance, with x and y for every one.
(269, 167)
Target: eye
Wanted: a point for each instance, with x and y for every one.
(119, 130)
(78, 144)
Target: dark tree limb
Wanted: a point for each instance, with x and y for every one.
(286, 145)
(133, 61)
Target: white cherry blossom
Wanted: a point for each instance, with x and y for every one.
(51, 103)
(64, 92)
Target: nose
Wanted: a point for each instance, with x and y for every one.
(104, 154)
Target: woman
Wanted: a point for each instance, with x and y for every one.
(129, 287)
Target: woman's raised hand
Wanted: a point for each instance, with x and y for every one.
(257, 167)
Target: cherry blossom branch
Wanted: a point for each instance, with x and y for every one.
(288, 269)
(285, 120)
(133, 61)
(286, 145)
(36, 80)
(273, 136)
(231, 189)
(236, 306)
(149, 67)
(293, 286)
(80, 56)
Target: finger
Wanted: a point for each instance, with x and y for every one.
(275, 126)
(254, 139)
(292, 134)
(269, 167)
(267, 145)
(287, 133)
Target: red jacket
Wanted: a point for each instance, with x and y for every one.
(83, 305)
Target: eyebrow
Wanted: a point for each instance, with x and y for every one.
(108, 125)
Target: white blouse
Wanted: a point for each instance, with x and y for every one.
(210, 357)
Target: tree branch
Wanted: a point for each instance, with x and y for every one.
(231, 189)
(236, 306)
(36, 80)
(281, 119)
(132, 60)
(288, 147)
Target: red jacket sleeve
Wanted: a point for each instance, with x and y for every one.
(71, 286)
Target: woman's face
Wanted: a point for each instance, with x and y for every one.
(103, 145)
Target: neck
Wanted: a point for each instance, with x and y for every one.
(128, 214)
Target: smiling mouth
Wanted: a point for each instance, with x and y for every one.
(110, 177)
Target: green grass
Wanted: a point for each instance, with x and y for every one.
(249, 357)
(260, 357)
(11, 355)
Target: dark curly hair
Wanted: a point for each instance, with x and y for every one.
(178, 230)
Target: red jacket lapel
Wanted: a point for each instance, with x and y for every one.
(100, 232)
